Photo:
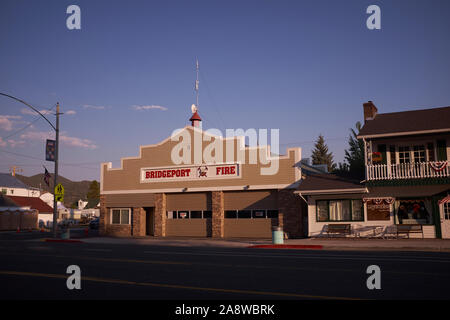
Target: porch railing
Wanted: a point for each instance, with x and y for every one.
(429, 169)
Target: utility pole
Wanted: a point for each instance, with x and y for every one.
(55, 203)
(13, 170)
(55, 207)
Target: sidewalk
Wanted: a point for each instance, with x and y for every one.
(432, 245)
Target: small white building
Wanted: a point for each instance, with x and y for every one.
(82, 204)
(47, 197)
(11, 186)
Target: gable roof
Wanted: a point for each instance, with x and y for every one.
(6, 202)
(33, 202)
(7, 180)
(407, 123)
(92, 204)
(329, 183)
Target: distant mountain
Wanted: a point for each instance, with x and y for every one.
(74, 190)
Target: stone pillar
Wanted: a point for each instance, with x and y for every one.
(160, 215)
(138, 222)
(103, 216)
(290, 213)
(218, 214)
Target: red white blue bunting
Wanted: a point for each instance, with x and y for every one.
(379, 200)
(438, 166)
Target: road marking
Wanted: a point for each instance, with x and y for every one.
(276, 267)
(305, 256)
(40, 248)
(102, 259)
(100, 250)
(175, 286)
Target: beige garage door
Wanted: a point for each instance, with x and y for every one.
(188, 227)
(248, 228)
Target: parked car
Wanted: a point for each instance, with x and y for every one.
(94, 223)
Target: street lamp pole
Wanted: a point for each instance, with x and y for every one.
(55, 203)
(55, 209)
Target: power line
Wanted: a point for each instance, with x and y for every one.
(40, 159)
(28, 125)
(212, 99)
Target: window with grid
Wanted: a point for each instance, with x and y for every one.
(419, 154)
(339, 210)
(447, 211)
(404, 155)
(120, 216)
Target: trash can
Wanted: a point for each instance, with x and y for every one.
(65, 234)
(277, 235)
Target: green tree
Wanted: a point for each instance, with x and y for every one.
(320, 154)
(353, 167)
(74, 205)
(354, 156)
(93, 194)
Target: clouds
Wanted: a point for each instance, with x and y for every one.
(77, 142)
(64, 139)
(149, 107)
(89, 106)
(71, 112)
(7, 122)
(33, 113)
(10, 142)
(16, 143)
(134, 107)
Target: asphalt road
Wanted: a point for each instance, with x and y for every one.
(31, 269)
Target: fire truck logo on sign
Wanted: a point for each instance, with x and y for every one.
(202, 172)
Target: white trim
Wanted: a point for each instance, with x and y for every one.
(331, 191)
(194, 178)
(223, 188)
(402, 133)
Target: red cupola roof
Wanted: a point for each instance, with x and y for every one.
(195, 116)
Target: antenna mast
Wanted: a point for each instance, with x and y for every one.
(196, 83)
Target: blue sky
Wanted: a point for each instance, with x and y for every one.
(304, 67)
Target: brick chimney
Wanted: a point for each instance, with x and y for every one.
(370, 111)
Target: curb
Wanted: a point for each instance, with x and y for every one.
(287, 246)
(64, 240)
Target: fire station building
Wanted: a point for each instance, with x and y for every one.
(150, 195)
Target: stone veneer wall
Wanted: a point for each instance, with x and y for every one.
(139, 224)
(103, 216)
(218, 214)
(290, 213)
(289, 218)
(160, 214)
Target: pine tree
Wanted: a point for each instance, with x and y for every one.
(354, 156)
(320, 154)
(93, 194)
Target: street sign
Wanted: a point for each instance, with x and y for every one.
(59, 193)
(50, 150)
